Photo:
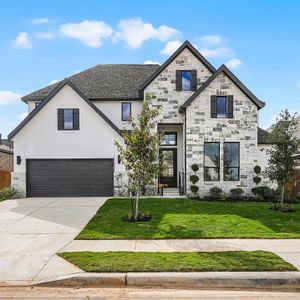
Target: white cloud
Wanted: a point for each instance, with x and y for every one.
(23, 115)
(53, 81)
(151, 62)
(211, 39)
(171, 47)
(233, 63)
(23, 41)
(90, 33)
(298, 85)
(9, 97)
(77, 71)
(216, 52)
(135, 32)
(40, 21)
(44, 35)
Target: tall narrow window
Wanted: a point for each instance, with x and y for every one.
(126, 111)
(231, 161)
(186, 80)
(68, 119)
(211, 161)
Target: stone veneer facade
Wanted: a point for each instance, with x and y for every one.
(241, 128)
(199, 125)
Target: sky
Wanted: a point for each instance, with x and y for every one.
(45, 41)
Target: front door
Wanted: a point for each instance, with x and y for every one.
(169, 175)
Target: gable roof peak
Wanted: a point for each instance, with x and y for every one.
(223, 68)
(184, 45)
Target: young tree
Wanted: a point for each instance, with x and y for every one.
(140, 152)
(285, 143)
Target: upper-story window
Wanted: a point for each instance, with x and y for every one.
(126, 111)
(186, 80)
(68, 118)
(222, 106)
(169, 139)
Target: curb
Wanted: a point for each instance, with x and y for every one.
(205, 280)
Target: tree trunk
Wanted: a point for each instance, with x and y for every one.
(282, 196)
(137, 205)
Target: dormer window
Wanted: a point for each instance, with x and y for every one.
(186, 80)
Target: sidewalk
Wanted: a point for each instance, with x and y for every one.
(288, 249)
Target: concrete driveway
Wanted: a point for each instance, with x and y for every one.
(32, 230)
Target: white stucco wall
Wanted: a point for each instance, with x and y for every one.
(40, 138)
(113, 110)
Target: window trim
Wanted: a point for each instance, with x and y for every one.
(219, 166)
(122, 116)
(169, 132)
(61, 119)
(239, 160)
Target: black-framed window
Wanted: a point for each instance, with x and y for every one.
(126, 111)
(68, 118)
(211, 161)
(231, 161)
(186, 80)
(169, 139)
(222, 106)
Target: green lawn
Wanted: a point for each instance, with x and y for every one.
(177, 262)
(182, 218)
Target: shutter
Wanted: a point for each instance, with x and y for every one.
(213, 106)
(230, 106)
(76, 118)
(60, 119)
(194, 80)
(178, 80)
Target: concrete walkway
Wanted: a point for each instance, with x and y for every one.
(33, 230)
(288, 249)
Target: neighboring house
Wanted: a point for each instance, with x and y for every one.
(6, 155)
(65, 146)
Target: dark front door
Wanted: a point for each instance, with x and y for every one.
(169, 175)
(69, 177)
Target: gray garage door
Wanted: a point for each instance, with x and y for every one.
(69, 177)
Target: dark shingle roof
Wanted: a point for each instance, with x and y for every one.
(104, 82)
(262, 136)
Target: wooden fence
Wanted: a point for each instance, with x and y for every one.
(5, 178)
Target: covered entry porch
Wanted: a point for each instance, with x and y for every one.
(172, 152)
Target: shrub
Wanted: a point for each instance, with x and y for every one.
(142, 217)
(215, 192)
(263, 191)
(194, 188)
(256, 179)
(236, 192)
(257, 169)
(195, 167)
(194, 179)
(7, 193)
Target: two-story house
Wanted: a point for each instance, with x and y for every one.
(65, 146)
